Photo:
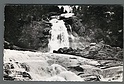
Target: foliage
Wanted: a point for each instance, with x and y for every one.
(27, 26)
(103, 22)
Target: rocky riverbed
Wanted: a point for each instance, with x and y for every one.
(37, 66)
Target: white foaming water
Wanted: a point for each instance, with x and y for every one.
(40, 68)
(59, 35)
(66, 8)
(67, 15)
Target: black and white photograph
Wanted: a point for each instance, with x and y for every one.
(57, 42)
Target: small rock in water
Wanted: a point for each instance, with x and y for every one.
(54, 51)
(92, 78)
(77, 68)
(25, 66)
(25, 74)
(92, 44)
(7, 72)
(6, 77)
(8, 66)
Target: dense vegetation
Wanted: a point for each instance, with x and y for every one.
(27, 26)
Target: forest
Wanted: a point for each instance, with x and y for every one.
(27, 26)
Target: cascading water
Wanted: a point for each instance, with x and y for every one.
(59, 35)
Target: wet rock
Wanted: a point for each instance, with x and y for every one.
(6, 71)
(100, 55)
(72, 58)
(119, 55)
(80, 73)
(92, 44)
(60, 50)
(93, 48)
(92, 54)
(17, 75)
(54, 51)
(65, 50)
(77, 68)
(25, 66)
(91, 78)
(69, 50)
(25, 74)
(118, 49)
(6, 77)
(46, 31)
(8, 66)
(98, 51)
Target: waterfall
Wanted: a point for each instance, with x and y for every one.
(59, 35)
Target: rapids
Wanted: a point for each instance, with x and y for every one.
(37, 66)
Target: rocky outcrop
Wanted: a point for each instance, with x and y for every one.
(37, 66)
(99, 51)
